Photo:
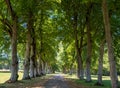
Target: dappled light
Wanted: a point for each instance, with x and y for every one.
(59, 43)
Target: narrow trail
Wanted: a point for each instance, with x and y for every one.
(56, 81)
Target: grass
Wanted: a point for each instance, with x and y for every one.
(106, 81)
(37, 82)
(33, 83)
(5, 75)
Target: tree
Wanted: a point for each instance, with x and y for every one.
(13, 27)
(113, 71)
(89, 43)
(100, 66)
(28, 49)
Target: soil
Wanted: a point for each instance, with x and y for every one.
(56, 82)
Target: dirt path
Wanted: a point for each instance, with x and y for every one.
(56, 81)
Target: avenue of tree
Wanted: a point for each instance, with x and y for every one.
(61, 35)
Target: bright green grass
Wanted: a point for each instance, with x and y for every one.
(106, 81)
(5, 75)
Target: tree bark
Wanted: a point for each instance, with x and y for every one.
(14, 66)
(113, 71)
(88, 61)
(28, 49)
(89, 45)
(43, 67)
(100, 66)
(27, 60)
(39, 65)
(41, 45)
(81, 61)
(33, 65)
(78, 49)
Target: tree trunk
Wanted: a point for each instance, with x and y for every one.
(28, 49)
(33, 60)
(14, 66)
(40, 66)
(81, 62)
(36, 68)
(89, 52)
(43, 67)
(79, 59)
(71, 71)
(31, 69)
(89, 44)
(113, 71)
(100, 66)
(27, 61)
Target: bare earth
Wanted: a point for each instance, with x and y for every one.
(56, 82)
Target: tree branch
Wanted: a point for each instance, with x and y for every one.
(13, 14)
(7, 23)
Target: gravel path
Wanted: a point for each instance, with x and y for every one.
(56, 82)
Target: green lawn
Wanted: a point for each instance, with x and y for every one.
(5, 75)
(106, 81)
(33, 83)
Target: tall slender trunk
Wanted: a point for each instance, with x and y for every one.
(14, 66)
(113, 71)
(89, 52)
(81, 62)
(80, 66)
(100, 66)
(28, 49)
(79, 59)
(89, 44)
(41, 44)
